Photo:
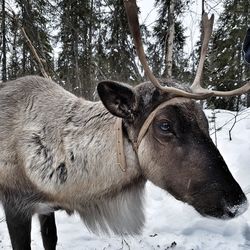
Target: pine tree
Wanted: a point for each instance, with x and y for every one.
(115, 52)
(157, 50)
(227, 69)
(3, 42)
(14, 65)
(95, 45)
(77, 27)
(33, 17)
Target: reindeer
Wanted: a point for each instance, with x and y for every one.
(59, 151)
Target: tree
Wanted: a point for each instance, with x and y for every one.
(119, 55)
(34, 21)
(77, 25)
(95, 45)
(4, 50)
(32, 16)
(166, 25)
(227, 70)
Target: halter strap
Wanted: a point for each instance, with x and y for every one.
(121, 158)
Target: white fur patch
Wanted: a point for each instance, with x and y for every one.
(122, 215)
(44, 208)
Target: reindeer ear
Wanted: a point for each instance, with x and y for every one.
(120, 99)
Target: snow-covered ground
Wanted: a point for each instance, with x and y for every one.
(171, 224)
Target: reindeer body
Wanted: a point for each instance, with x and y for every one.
(61, 148)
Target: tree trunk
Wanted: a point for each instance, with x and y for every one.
(246, 21)
(24, 47)
(202, 36)
(89, 46)
(76, 57)
(4, 61)
(14, 63)
(169, 42)
(203, 7)
(248, 100)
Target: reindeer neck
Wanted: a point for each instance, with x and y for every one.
(69, 154)
(90, 143)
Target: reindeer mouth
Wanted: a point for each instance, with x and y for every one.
(215, 202)
(224, 212)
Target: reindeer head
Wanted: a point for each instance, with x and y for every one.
(169, 133)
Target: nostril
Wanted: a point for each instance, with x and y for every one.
(230, 214)
(237, 210)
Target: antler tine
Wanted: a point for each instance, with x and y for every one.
(131, 11)
(196, 87)
(207, 25)
(239, 91)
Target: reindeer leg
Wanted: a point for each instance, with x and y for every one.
(19, 226)
(48, 231)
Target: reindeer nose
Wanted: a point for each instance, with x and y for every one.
(236, 210)
(213, 201)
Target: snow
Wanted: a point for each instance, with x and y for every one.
(170, 224)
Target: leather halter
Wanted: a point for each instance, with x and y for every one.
(121, 158)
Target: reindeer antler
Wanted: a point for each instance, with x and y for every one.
(207, 25)
(198, 92)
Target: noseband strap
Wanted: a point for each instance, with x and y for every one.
(121, 158)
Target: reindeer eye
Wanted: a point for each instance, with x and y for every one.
(165, 127)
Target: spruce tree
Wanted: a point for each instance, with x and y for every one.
(76, 36)
(157, 50)
(227, 69)
(115, 52)
(33, 17)
(3, 42)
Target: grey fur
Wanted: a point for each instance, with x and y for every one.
(57, 147)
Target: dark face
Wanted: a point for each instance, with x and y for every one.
(176, 153)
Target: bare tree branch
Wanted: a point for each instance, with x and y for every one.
(33, 50)
(39, 61)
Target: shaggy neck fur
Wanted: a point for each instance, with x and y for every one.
(106, 198)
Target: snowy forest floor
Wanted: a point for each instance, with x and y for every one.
(171, 224)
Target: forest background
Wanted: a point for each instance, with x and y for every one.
(79, 43)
